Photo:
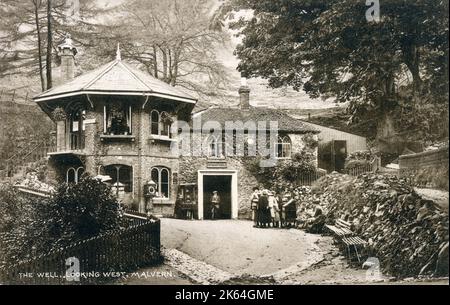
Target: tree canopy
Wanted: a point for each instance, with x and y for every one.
(32, 29)
(329, 49)
(174, 41)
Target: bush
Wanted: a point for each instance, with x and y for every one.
(285, 172)
(74, 213)
(10, 204)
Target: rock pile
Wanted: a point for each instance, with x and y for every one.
(407, 233)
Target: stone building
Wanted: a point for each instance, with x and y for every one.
(120, 122)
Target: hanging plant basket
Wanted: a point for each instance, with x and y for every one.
(59, 114)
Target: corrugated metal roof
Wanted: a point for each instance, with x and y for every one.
(286, 123)
(115, 77)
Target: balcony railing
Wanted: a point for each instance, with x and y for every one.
(77, 141)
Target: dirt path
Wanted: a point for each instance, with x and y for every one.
(238, 248)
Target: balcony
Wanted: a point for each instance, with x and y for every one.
(72, 143)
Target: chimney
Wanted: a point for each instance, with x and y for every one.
(67, 51)
(244, 94)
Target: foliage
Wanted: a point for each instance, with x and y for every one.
(59, 114)
(23, 128)
(431, 177)
(24, 43)
(285, 172)
(75, 212)
(10, 204)
(328, 48)
(310, 141)
(359, 158)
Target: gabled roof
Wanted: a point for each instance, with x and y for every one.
(118, 78)
(286, 123)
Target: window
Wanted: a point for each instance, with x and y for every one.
(160, 123)
(76, 129)
(121, 178)
(71, 176)
(250, 143)
(283, 147)
(117, 119)
(74, 175)
(154, 116)
(215, 146)
(161, 176)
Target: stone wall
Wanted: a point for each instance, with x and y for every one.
(190, 165)
(426, 169)
(434, 158)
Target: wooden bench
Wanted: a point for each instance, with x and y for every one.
(343, 233)
(355, 242)
(340, 229)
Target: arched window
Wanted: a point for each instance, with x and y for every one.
(80, 172)
(154, 122)
(71, 176)
(160, 123)
(215, 146)
(284, 147)
(250, 143)
(74, 175)
(161, 176)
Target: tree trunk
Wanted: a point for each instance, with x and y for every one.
(169, 79)
(412, 60)
(164, 62)
(176, 59)
(49, 44)
(39, 42)
(386, 136)
(155, 63)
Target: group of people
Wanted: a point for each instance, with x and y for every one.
(270, 209)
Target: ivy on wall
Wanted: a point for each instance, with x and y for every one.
(285, 172)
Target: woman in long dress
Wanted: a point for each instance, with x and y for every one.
(263, 210)
(274, 210)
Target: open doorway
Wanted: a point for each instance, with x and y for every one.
(221, 184)
(332, 155)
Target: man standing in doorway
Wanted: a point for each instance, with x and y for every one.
(215, 205)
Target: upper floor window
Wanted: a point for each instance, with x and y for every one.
(283, 147)
(160, 123)
(161, 176)
(76, 129)
(215, 146)
(117, 119)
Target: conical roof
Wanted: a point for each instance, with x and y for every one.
(118, 78)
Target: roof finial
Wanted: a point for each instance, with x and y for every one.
(118, 56)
